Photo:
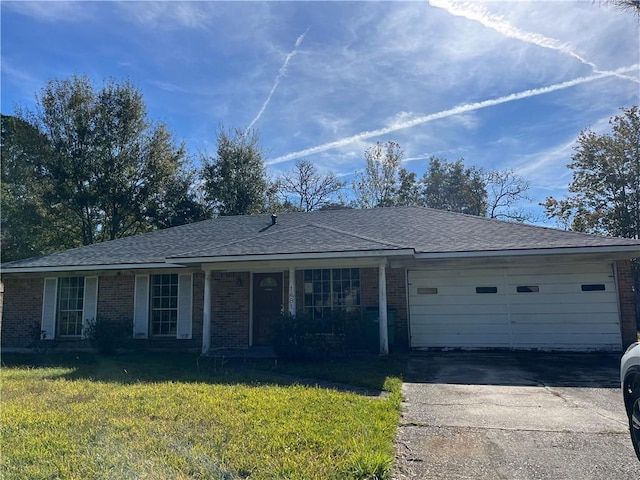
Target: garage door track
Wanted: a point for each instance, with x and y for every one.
(514, 416)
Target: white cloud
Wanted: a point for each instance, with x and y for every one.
(52, 11)
(281, 73)
(469, 107)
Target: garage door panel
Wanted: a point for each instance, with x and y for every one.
(460, 306)
(564, 329)
(568, 318)
(573, 341)
(552, 308)
(460, 329)
(457, 316)
(463, 320)
(535, 298)
(466, 341)
(559, 288)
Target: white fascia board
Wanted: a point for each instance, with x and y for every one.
(88, 268)
(296, 256)
(625, 251)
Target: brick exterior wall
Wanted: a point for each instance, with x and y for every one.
(21, 311)
(115, 297)
(230, 310)
(627, 303)
(396, 301)
(21, 307)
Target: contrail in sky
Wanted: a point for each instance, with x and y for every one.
(281, 73)
(480, 14)
(469, 107)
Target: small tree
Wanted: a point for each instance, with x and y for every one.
(605, 189)
(505, 191)
(307, 189)
(235, 179)
(376, 186)
(452, 186)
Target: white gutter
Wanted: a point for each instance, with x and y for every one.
(295, 256)
(633, 249)
(82, 268)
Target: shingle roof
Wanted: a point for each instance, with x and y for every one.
(421, 230)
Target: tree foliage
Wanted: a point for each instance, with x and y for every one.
(28, 225)
(605, 189)
(452, 186)
(235, 180)
(376, 186)
(97, 165)
(305, 189)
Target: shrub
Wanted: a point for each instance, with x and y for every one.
(107, 335)
(303, 337)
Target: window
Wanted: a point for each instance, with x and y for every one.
(70, 306)
(486, 289)
(597, 287)
(325, 290)
(164, 304)
(527, 289)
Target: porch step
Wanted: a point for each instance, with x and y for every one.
(251, 352)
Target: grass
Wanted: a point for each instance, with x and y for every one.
(161, 416)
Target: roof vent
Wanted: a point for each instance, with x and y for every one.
(274, 218)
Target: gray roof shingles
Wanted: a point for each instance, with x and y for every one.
(423, 230)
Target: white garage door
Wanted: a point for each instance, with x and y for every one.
(558, 308)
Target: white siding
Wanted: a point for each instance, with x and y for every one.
(141, 307)
(185, 306)
(560, 316)
(90, 302)
(49, 307)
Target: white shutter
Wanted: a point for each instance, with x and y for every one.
(185, 309)
(141, 307)
(49, 306)
(89, 303)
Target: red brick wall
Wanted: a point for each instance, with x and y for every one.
(230, 310)
(21, 311)
(115, 297)
(396, 300)
(627, 302)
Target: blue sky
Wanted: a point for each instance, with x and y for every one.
(504, 85)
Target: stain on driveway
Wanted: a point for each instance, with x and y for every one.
(472, 415)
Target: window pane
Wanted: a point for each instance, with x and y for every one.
(164, 304)
(70, 306)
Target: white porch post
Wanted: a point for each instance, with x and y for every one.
(292, 291)
(382, 305)
(206, 313)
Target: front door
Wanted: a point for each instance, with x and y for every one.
(267, 305)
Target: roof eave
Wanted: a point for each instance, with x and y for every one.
(294, 256)
(86, 268)
(623, 251)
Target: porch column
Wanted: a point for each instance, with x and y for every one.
(206, 313)
(292, 292)
(382, 306)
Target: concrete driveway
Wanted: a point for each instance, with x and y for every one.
(470, 415)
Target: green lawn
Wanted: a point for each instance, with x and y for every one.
(162, 416)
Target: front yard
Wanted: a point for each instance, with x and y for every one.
(162, 416)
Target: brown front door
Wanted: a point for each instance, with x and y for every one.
(267, 305)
